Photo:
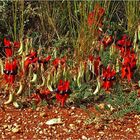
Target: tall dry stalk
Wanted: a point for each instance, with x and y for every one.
(133, 15)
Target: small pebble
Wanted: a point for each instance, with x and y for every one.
(84, 137)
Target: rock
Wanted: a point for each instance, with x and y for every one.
(9, 118)
(84, 137)
(35, 116)
(69, 138)
(5, 126)
(13, 137)
(137, 116)
(41, 132)
(66, 130)
(38, 108)
(72, 107)
(15, 130)
(101, 133)
(72, 113)
(3, 136)
(78, 121)
(56, 111)
(9, 127)
(72, 126)
(129, 130)
(111, 108)
(54, 121)
(43, 114)
(98, 126)
(40, 124)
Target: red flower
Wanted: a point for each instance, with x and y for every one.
(7, 43)
(59, 61)
(10, 71)
(45, 92)
(95, 16)
(7, 47)
(62, 92)
(44, 61)
(101, 11)
(56, 62)
(128, 65)
(26, 64)
(63, 60)
(108, 77)
(62, 98)
(32, 58)
(91, 57)
(16, 44)
(33, 54)
(47, 58)
(124, 45)
(90, 18)
(36, 98)
(96, 62)
(6, 70)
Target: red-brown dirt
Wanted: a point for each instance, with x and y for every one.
(31, 124)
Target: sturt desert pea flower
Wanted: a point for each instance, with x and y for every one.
(16, 44)
(128, 66)
(59, 61)
(124, 45)
(95, 16)
(7, 70)
(62, 92)
(96, 61)
(45, 94)
(44, 60)
(56, 62)
(10, 70)
(13, 71)
(39, 95)
(31, 58)
(36, 97)
(7, 48)
(108, 77)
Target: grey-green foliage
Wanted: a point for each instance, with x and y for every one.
(123, 103)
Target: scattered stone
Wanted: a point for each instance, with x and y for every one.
(72, 113)
(35, 116)
(9, 118)
(84, 137)
(72, 107)
(9, 127)
(137, 116)
(40, 124)
(99, 126)
(43, 114)
(54, 121)
(72, 126)
(5, 126)
(41, 132)
(13, 137)
(38, 108)
(56, 111)
(69, 138)
(15, 130)
(66, 130)
(101, 133)
(78, 121)
(129, 130)
(3, 136)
